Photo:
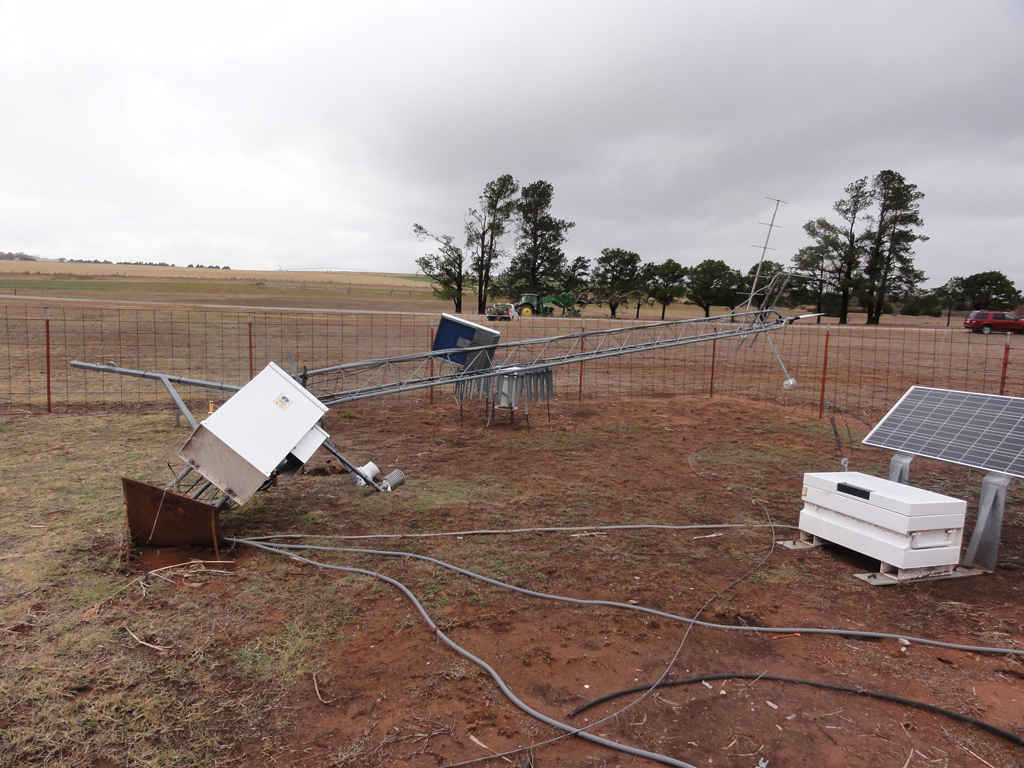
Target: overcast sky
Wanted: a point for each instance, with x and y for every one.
(306, 135)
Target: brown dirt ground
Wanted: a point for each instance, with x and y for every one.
(389, 692)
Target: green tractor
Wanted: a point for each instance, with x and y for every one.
(530, 304)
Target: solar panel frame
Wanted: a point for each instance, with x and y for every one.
(975, 430)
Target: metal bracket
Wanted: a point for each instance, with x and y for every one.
(899, 468)
(352, 468)
(886, 578)
(805, 542)
(984, 546)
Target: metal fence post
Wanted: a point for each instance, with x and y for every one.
(583, 329)
(1006, 360)
(49, 403)
(431, 359)
(250, 349)
(824, 370)
(711, 385)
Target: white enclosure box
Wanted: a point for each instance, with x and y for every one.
(269, 420)
(910, 530)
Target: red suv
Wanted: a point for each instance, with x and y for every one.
(986, 322)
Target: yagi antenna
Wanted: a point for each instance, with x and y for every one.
(764, 249)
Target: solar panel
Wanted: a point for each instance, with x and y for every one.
(981, 431)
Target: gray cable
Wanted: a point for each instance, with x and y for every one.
(479, 662)
(650, 611)
(505, 531)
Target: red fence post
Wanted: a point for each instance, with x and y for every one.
(49, 404)
(1006, 360)
(711, 386)
(250, 349)
(431, 359)
(824, 370)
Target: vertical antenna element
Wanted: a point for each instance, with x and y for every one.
(764, 248)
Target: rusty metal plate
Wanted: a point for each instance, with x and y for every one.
(159, 518)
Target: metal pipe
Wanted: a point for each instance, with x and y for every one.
(176, 482)
(179, 402)
(202, 489)
(183, 380)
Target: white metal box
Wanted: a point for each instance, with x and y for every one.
(911, 530)
(240, 445)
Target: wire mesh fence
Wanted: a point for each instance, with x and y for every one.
(862, 369)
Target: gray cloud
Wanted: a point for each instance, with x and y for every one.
(314, 134)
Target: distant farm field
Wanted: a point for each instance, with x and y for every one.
(110, 283)
(48, 282)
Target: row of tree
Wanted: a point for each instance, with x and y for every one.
(869, 255)
(620, 278)
(865, 259)
(537, 263)
(868, 258)
(983, 290)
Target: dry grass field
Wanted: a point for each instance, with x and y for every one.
(108, 285)
(119, 657)
(13, 269)
(44, 283)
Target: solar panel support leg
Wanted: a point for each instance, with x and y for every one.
(984, 546)
(899, 469)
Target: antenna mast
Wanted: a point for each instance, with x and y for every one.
(764, 248)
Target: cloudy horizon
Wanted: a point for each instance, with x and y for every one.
(314, 134)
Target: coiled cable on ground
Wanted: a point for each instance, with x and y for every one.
(625, 748)
(1012, 737)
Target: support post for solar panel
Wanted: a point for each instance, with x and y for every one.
(899, 468)
(984, 546)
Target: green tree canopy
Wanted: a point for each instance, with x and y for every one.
(576, 274)
(485, 226)
(713, 283)
(989, 290)
(538, 264)
(835, 259)
(889, 271)
(666, 282)
(446, 268)
(950, 295)
(615, 277)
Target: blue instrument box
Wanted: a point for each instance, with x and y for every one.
(456, 333)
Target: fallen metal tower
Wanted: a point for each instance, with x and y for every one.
(495, 371)
(374, 378)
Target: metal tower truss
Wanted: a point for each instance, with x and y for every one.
(229, 459)
(374, 378)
